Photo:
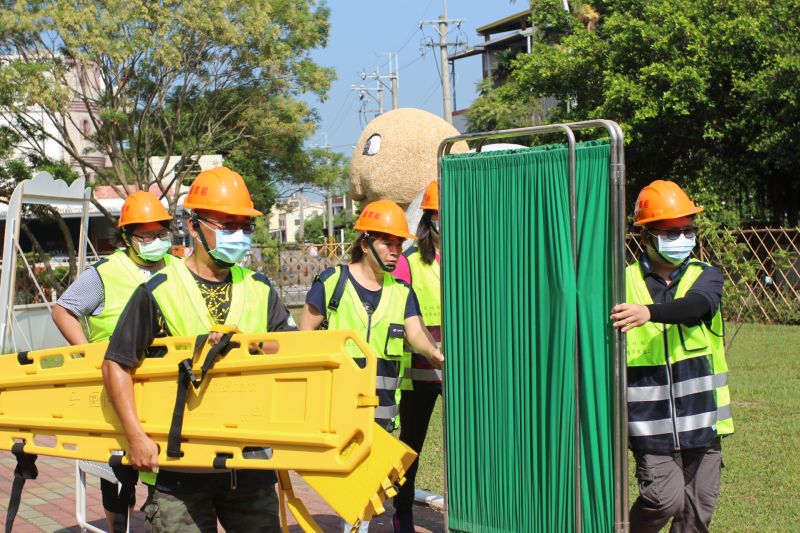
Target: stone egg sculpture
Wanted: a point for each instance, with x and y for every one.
(395, 157)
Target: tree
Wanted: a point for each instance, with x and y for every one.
(316, 231)
(175, 78)
(13, 171)
(707, 93)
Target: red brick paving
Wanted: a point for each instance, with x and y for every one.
(48, 503)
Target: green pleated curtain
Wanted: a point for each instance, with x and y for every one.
(513, 306)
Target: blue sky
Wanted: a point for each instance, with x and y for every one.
(362, 30)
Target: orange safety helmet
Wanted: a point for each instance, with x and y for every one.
(662, 200)
(384, 216)
(222, 190)
(142, 207)
(430, 200)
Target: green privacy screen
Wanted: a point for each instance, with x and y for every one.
(514, 309)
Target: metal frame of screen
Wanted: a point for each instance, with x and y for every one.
(617, 214)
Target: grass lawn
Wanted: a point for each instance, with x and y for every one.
(762, 460)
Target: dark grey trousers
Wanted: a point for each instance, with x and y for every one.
(683, 486)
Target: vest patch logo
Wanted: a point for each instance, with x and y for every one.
(396, 330)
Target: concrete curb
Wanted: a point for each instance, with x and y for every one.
(434, 501)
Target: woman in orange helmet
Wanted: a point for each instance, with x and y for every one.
(421, 384)
(678, 397)
(99, 294)
(365, 297)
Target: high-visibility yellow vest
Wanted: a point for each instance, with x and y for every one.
(185, 311)
(184, 308)
(425, 280)
(678, 394)
(120, 277)
(384, 330)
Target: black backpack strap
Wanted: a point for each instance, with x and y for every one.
(185, 377)
(338, 291)
(25, 469)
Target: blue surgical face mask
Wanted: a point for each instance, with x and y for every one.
(154, 251)
(675, 251)
(231, 248)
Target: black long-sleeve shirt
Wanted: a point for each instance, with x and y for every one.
(700, 303)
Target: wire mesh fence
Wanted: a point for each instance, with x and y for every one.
(761, 268)
(293, 268)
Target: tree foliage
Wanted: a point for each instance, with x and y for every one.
(707, 93)
(177, 78)
(13, 171)
(316, 232)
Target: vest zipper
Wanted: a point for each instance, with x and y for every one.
(368, 308)
(672, 408)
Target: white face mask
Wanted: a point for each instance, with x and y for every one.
(154, 251)
(231, 247)
(675, 251)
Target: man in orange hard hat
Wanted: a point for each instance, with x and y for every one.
(187, 298)
(678, 398)
(100, 293)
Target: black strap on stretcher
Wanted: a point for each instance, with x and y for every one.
(127, 477)
(185, 377)
(25, 469)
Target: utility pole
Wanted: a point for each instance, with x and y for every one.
(329, 199)
(443, 23)
(395, 84)
(302, 218)
(329, 213)
(365, 94)
(380, 85)
(448, 109)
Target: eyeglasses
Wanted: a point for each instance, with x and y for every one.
(147, 238)
(672, 234)
(229, 228)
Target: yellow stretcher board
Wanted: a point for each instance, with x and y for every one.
(304, 405)
(277, 401)
(359, 495)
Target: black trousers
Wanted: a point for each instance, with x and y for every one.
(416, 407)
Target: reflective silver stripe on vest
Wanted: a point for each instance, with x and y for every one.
(386, 412)
(664, 426)
(720, 380)
(387, 383)
(723, 413)
(680, 389)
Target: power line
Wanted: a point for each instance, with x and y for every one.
(438, 70)
(417, 30)
(412, 61)
(408, 40)
(430, 93)
(336, 124)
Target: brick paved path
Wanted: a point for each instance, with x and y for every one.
(48, 503)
